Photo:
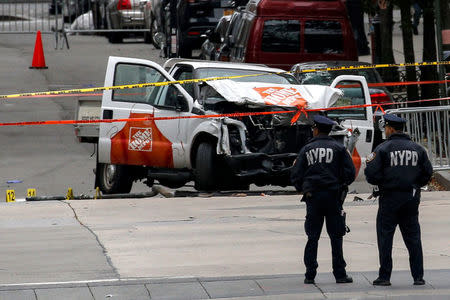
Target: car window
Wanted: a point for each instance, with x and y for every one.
(353, 95)
(167, 97)
(281, 36)
(234, 18)
(134, 74)
(327, 77)
(185, 73)
(244, 30)
(317, 31)
(269, 78)
(222, 28)
(236, 27)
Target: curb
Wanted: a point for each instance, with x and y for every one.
(443, 178)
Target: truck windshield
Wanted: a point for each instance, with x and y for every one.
(268, 78)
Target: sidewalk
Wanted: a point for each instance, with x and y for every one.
(397, 40)
(204, 248)
(289, 286)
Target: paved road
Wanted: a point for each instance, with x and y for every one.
(204, 247)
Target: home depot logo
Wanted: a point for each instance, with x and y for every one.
(281, 96)
(140, 139)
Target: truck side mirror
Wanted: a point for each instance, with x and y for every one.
(181, 104)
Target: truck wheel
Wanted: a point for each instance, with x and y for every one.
(153, 32)
(205, 161)
(114, 179)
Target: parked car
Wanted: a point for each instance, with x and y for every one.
(123, 14)
(378, 95)
(153, 12)
(280, 33)
(184, 31)
(223, 54)
(214, 39)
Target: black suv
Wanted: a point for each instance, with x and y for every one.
(191, 20)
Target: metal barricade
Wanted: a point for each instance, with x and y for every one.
(115, 18)
(430, 127)
(27, 16)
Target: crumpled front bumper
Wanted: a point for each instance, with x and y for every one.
(262, 168)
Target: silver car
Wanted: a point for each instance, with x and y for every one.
(123, 14)
(153, 14)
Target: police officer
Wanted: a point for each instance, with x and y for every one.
(322, 169)
(399, 167)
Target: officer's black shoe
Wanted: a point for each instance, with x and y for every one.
(419, 281)
(381, 282)
(309, 281)
(346, 279)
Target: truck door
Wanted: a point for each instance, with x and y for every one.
(358, 119)
(149, 143)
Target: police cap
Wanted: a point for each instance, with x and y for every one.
(394, 121)
(323, 123)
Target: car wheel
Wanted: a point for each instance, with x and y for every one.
(205, 161)
(113, 179)
(153, 31)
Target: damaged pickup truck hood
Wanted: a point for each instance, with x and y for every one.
(262, 94)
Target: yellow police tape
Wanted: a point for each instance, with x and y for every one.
(163, 83)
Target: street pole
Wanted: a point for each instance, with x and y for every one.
(437, 13)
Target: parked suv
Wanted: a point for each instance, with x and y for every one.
(280, 33)
(185, 29)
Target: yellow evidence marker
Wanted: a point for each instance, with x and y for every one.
(10, 196)
(31, 193)
(69, 195)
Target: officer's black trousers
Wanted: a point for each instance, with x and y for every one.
(402, 209)
(324, 205)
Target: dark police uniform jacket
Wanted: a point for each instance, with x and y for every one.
(398, 164)
(323, 163)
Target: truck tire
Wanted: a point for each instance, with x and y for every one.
(205, 162)
(113, 179)
(153, 31)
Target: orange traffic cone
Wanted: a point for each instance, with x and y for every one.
(38, 56)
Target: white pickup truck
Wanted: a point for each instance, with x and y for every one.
(215, 153)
